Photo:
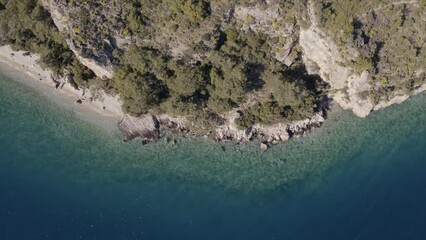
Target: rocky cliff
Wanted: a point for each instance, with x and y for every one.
(356, 83)
(323, 57)
(94, 45)
(205, 60)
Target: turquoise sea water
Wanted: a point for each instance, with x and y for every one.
(64, 177)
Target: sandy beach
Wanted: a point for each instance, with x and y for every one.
(106, 106)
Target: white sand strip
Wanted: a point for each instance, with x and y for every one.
(105, 105)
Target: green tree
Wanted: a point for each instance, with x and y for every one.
(140, 92)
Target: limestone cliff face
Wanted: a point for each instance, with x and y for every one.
(96, 58)
(322, 56)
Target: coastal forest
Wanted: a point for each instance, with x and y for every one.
(203, 58)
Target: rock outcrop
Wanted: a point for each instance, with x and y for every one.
(149, 128)
(323, 57)
(146, 128)
(267, 134)
(96, 58)
(270, 21)
(348, 88)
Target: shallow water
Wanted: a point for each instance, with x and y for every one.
(64, 177)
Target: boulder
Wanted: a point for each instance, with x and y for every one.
(146, 128)
(263, 147)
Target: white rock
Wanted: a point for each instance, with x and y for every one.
(263, 147)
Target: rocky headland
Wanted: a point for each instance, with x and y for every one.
(316, 66)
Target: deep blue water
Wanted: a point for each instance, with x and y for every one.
(63, 177)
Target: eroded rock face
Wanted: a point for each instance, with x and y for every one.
(325, 55)
(270, 21)
(354, 90)
(102, 70)
(91, 41)
(322, 57)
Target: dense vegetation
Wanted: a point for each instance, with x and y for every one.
(26, 25)
(390, 37)
(202, 58)
(182, 58)
(193, 57)
(220, 67)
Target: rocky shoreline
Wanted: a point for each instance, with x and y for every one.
(150, 128)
